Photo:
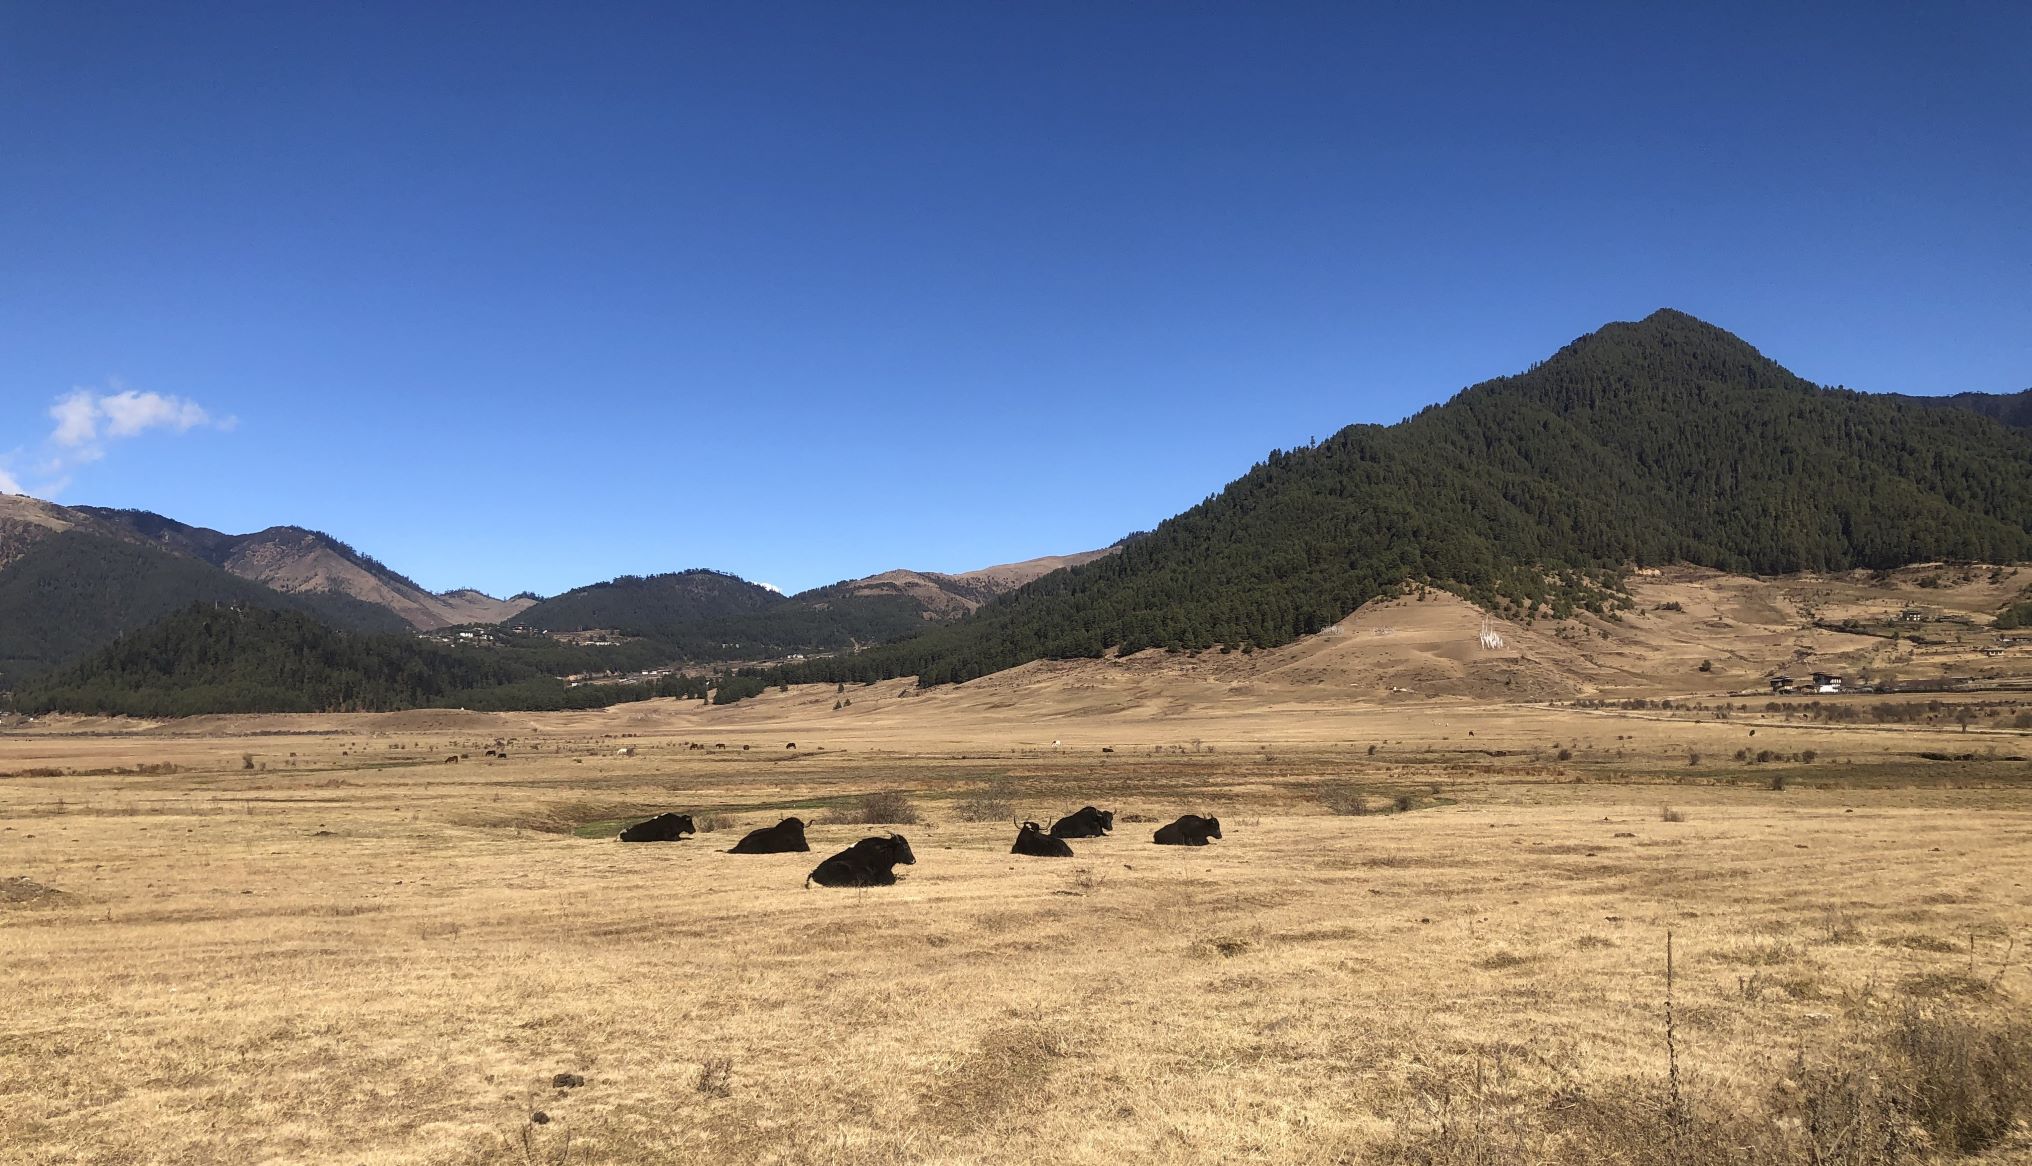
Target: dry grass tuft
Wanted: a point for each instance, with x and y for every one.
(1938, 985)
(1011, 1065)
(994, 802)
(1340, 797)
(715, 1077)
(881, 808)
(1919, 941)
(1917, 1088)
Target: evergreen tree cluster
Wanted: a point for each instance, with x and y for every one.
(72, 591)
(236, 658)
(710, 616)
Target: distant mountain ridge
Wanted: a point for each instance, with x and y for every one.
(295, 560)
(74, 578)
(2013, 409)
(701, 615)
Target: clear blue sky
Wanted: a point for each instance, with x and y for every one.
(528, 296)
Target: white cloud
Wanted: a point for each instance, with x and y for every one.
(77, 418)
(87, 419)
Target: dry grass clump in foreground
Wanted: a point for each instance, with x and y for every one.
(1914, 1087)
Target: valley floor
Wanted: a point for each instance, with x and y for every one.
(313, 940)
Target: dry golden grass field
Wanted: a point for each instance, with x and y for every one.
(311, 940)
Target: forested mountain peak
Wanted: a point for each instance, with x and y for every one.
(1662, 440)
(650, 603)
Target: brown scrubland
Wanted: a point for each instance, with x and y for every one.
(1438, 928)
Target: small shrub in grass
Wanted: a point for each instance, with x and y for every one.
(1966, 1084)
(1341, 798)
(1404, 803)
(987, 803)
(716, 1076)
(1779, 781)
(1671, 815)
(707, 823)
(1566, 755)
(881, 808)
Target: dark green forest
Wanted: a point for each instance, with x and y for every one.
(73, 591)
(1646, 443)
(2013, 409)
(709, 616)
(637, 604)
(216, 658)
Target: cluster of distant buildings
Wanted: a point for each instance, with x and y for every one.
(1821, 682)
(1827, 683)
(463, 638)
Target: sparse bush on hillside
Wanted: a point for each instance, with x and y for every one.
(1669, 814)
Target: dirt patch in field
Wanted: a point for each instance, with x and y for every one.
(17, 891)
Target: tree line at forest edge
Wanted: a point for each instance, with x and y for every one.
(238, 658)
(1666, 440)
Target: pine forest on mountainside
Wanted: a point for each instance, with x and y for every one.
(72, 591)
(215, 658)
(710, 616)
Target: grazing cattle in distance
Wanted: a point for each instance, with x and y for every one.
(661, 828)
(1086, 822)
(782, 838)
(1033, 841)
(1189, 830)
(871, 862)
